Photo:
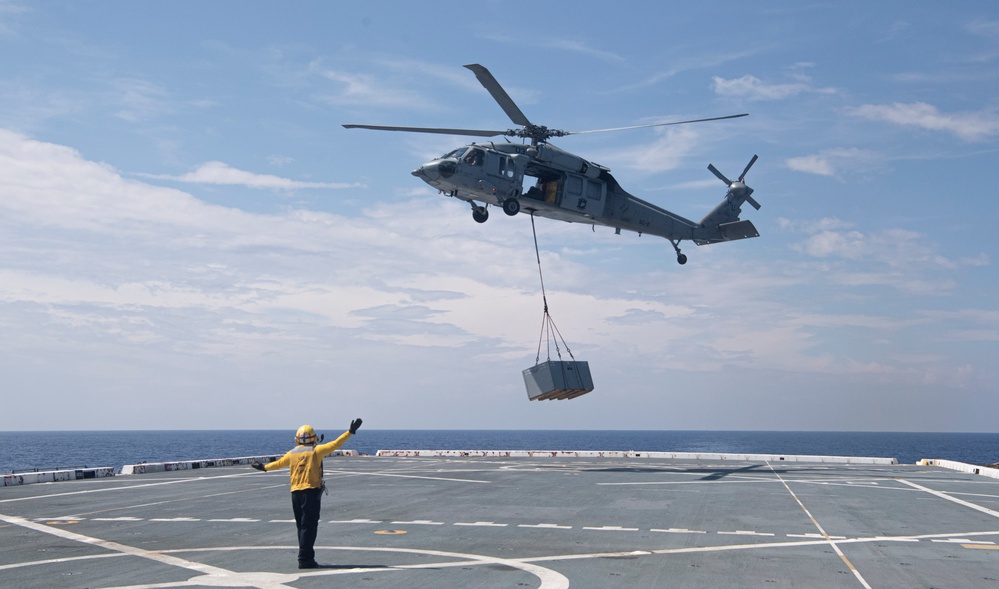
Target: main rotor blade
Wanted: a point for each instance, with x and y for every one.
(499, 94)
(749, 165)
(471, 132)
(657, 124)
(721, 176)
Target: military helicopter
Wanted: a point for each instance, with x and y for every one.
(567, 187)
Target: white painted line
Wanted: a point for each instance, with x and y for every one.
(282, 521)
(117, 519)
(816, 536)
(175, 519)
(421, 522)
(894, 539)
(406, 476)
(482, 524)
(745, 533)
(611, 529)
(818, 526)
(679, 531)
(352, 521)
(545, 526)
(65, 534)
(235, 520)
(942, 495)
(962, 541)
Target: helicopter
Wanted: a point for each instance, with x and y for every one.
(567, 187)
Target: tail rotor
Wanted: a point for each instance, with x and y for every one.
(738, 188)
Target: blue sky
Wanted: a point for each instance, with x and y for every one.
(189, 239)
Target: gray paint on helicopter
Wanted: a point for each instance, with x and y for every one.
(568, 187)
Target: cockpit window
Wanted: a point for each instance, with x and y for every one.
(474, 157)
(456, 154)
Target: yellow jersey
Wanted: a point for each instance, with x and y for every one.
(306, 463)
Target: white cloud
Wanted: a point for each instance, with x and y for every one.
(133, 287)
(832, 162)
(752, 88)
(222, 174)
(352, 89)
(968, 126)
(901, 259)
(668, 151)
(141, 100)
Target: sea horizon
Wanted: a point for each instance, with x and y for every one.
(55, 449)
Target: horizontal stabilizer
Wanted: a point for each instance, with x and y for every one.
(730, 232)
(738, 230)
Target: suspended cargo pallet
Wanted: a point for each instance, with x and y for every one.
(558, 380)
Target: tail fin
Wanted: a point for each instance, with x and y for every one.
(723, 223)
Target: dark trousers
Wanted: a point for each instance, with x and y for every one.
(306, 504)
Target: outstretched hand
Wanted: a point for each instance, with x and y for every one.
(355, 425)
(258, 466)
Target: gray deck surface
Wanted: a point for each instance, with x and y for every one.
(513, 522)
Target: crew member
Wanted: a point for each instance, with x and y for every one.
(305, 462)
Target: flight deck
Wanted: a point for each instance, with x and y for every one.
(541, 520)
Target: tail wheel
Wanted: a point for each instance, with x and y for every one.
(681, 259)
(511, 206)
(480, 214)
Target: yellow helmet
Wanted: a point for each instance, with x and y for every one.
(305, 435)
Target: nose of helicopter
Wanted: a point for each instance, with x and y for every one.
(427, 172)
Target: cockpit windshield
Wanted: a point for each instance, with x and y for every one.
(456, 154)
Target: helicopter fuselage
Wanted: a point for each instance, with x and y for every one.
(566, 187)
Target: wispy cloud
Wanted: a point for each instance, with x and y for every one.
(141, 100)
(832, 162)
(353, 89)
(220, 173)
(562, 44)
(753, 88)
(897, 258)
(968, 126)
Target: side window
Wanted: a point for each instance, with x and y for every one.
(593, 190)
(506, 167)
(574, 185)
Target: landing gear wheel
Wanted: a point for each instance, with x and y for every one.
(480, 214)
(511, 206)
(680, 258)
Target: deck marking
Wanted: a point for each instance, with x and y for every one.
(550, 579)
(407, 476)
(421, 522)
(961, 541)
(745, 533)
(481, 524)
(114, 546)
(679, 531)
(980, 546)
(106, 489)
(943, 495)
(610, 529)
(545, 526)
(18, 565)
(822, 531)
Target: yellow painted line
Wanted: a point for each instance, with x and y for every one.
(822, 531)
(980, 546)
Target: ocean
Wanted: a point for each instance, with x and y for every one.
(21, 451)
